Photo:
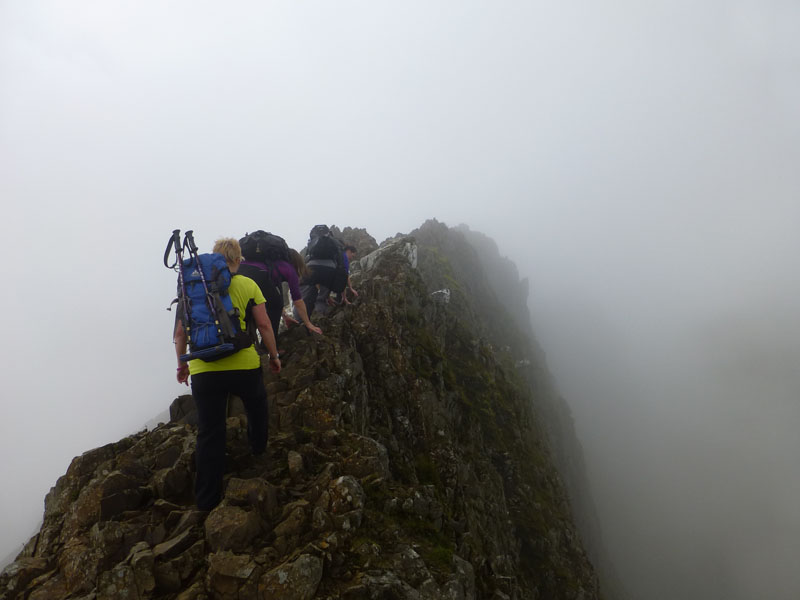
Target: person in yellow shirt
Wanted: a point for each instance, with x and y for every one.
(239, 374)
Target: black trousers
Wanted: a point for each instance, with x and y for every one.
(275, 312)
(308, 287)
(210, 391)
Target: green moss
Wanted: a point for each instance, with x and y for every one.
(438, 557)
(426, 353)
(426, 470)
(434, 546)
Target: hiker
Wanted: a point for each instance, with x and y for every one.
(347, 256)
(239, 374)
(300, 269)
(269, 262)
(324, 260)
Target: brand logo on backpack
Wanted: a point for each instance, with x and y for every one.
(205, 308)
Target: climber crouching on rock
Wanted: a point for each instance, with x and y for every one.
(341, 298)
(239, 374)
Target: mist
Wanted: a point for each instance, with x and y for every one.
(637, 162)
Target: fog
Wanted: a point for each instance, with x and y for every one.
(636, 160)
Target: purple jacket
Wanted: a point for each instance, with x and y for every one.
(281, 271)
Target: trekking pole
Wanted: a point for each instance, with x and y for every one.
(188, 242)
(183, 302)
(173, 243)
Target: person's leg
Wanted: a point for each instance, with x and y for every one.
(274, 313)
(249, 386)
(210, 393)
(325, 280)
(308, 290)
(321, 305)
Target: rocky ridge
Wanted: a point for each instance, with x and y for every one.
(406, 461)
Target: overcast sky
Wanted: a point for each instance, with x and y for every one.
(637, 160)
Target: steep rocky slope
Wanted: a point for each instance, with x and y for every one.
(406, 460)
(501, 300)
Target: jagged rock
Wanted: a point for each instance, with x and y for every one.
(462, 585)
(231, 528)
(228, 573)
(321, 521)
(131, 579)
(348, 521)
(403, 247)
(178, 544)
(346, 494)
(21, 572)
(442, 296)
(381, 585)
(168, 453)
(196, 591)
(171, 575)
(293, 524)
(80, 470)
(183, 410)
(296, 580)
(408, 564)
(369, 458)
(103, 498)
(363, 242)
(79, 565)
(173, 483)
(187, 519)
(47, 587)
(406, 460)
(142, 560)
(255, 493)
(295, 464)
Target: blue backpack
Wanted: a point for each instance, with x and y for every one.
(205, 308)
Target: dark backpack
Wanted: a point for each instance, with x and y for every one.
(205, 308)
(323, 246)
(263, 246)
(262, 275)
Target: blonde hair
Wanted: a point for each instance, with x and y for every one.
(230, 249)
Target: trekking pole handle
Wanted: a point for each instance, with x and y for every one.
(173, 243)
(189, 241)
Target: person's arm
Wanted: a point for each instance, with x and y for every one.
(290, 275)
(289, 320)
(300, 305)
(350, 287)
(180, 348)
(267, 336)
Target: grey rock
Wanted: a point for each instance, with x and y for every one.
(346, 494)
(228, 573)
(295, 580)
(293, 524)
(176, 545)
(231, 528)
(254, 493)
(295, 460)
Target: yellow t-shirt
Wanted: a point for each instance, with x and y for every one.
(241, 290)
